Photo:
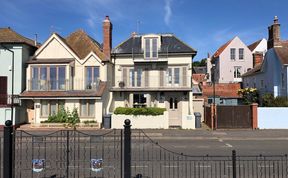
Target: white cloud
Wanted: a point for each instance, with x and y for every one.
(168, 11)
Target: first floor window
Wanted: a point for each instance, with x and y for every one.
(173, 76)
(232, 53)
(237, 72)
(241, 53)
(51, 107)
(87, 108)
(91, 77)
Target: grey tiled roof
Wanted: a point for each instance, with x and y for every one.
(169, 44)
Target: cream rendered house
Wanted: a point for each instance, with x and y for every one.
(70, 72)
(154, 70)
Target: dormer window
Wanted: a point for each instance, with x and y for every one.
(151, 47)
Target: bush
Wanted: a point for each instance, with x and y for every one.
(268, 100)
(89, 121)
(249, 95)
(64, 116)
(139, 111)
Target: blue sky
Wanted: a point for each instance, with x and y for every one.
(203, 24)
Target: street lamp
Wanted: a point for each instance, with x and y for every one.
(12, 83)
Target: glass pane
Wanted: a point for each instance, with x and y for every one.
(171, 103)
(91, 107)
(170, 76)
(175, 103)
(35, 82)
(147, 48)
(132, 77)
(83, 108)
(176, 75)
(88, 77)
(44, 108)
(53, 108)
(139, 77)
(53, 78)
(154, 47)
(61, 77)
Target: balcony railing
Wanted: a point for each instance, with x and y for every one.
(6, 100)
(62, 85)
(153, 81)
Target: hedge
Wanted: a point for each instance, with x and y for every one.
(140, 111)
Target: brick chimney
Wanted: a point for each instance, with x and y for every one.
(257, 58)
(274, 34)
(107, 37)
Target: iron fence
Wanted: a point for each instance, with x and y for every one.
(68, 153)
(117, 154)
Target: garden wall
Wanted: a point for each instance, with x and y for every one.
(272, 117)
(141, 122)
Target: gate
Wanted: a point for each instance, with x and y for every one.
(234, 117)
(68, 153)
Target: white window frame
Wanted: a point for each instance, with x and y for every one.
(241, 56)
(233, 56)
(150, 40)
(237, 69)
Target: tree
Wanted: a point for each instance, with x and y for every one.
(249, 95)
(199, 63)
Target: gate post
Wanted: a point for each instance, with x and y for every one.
(8, 150)
(234, 163)
(127, 149)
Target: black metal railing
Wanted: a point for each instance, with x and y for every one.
(72, 153)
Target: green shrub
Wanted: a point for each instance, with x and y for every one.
(268, 100)
(249, 95)
(89, 121)
(64, 116)
(139, 111)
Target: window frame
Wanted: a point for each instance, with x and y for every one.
(234, 55)
(88, 103)
(58, 105)
(43, 79)
(235, 70)
(92, 83)
(151, 47)
(241, 56)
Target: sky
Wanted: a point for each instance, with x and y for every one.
(202, 24)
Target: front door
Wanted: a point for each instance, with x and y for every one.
(173, 106)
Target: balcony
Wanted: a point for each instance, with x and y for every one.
(6, 100)
(62, 85)
(153, 83)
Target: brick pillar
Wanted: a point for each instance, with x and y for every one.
(254, 115)
(213, 123)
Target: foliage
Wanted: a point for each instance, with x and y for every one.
(64, 116)
(89, 121)
(268, 100)
(199, 63)
(249, 95)
(140, 111)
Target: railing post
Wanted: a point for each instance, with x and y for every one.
(8, 150)
(234, 163)
(127, 149)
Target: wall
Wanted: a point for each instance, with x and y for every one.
(141, 122)
(198, 106)
(272, 118)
